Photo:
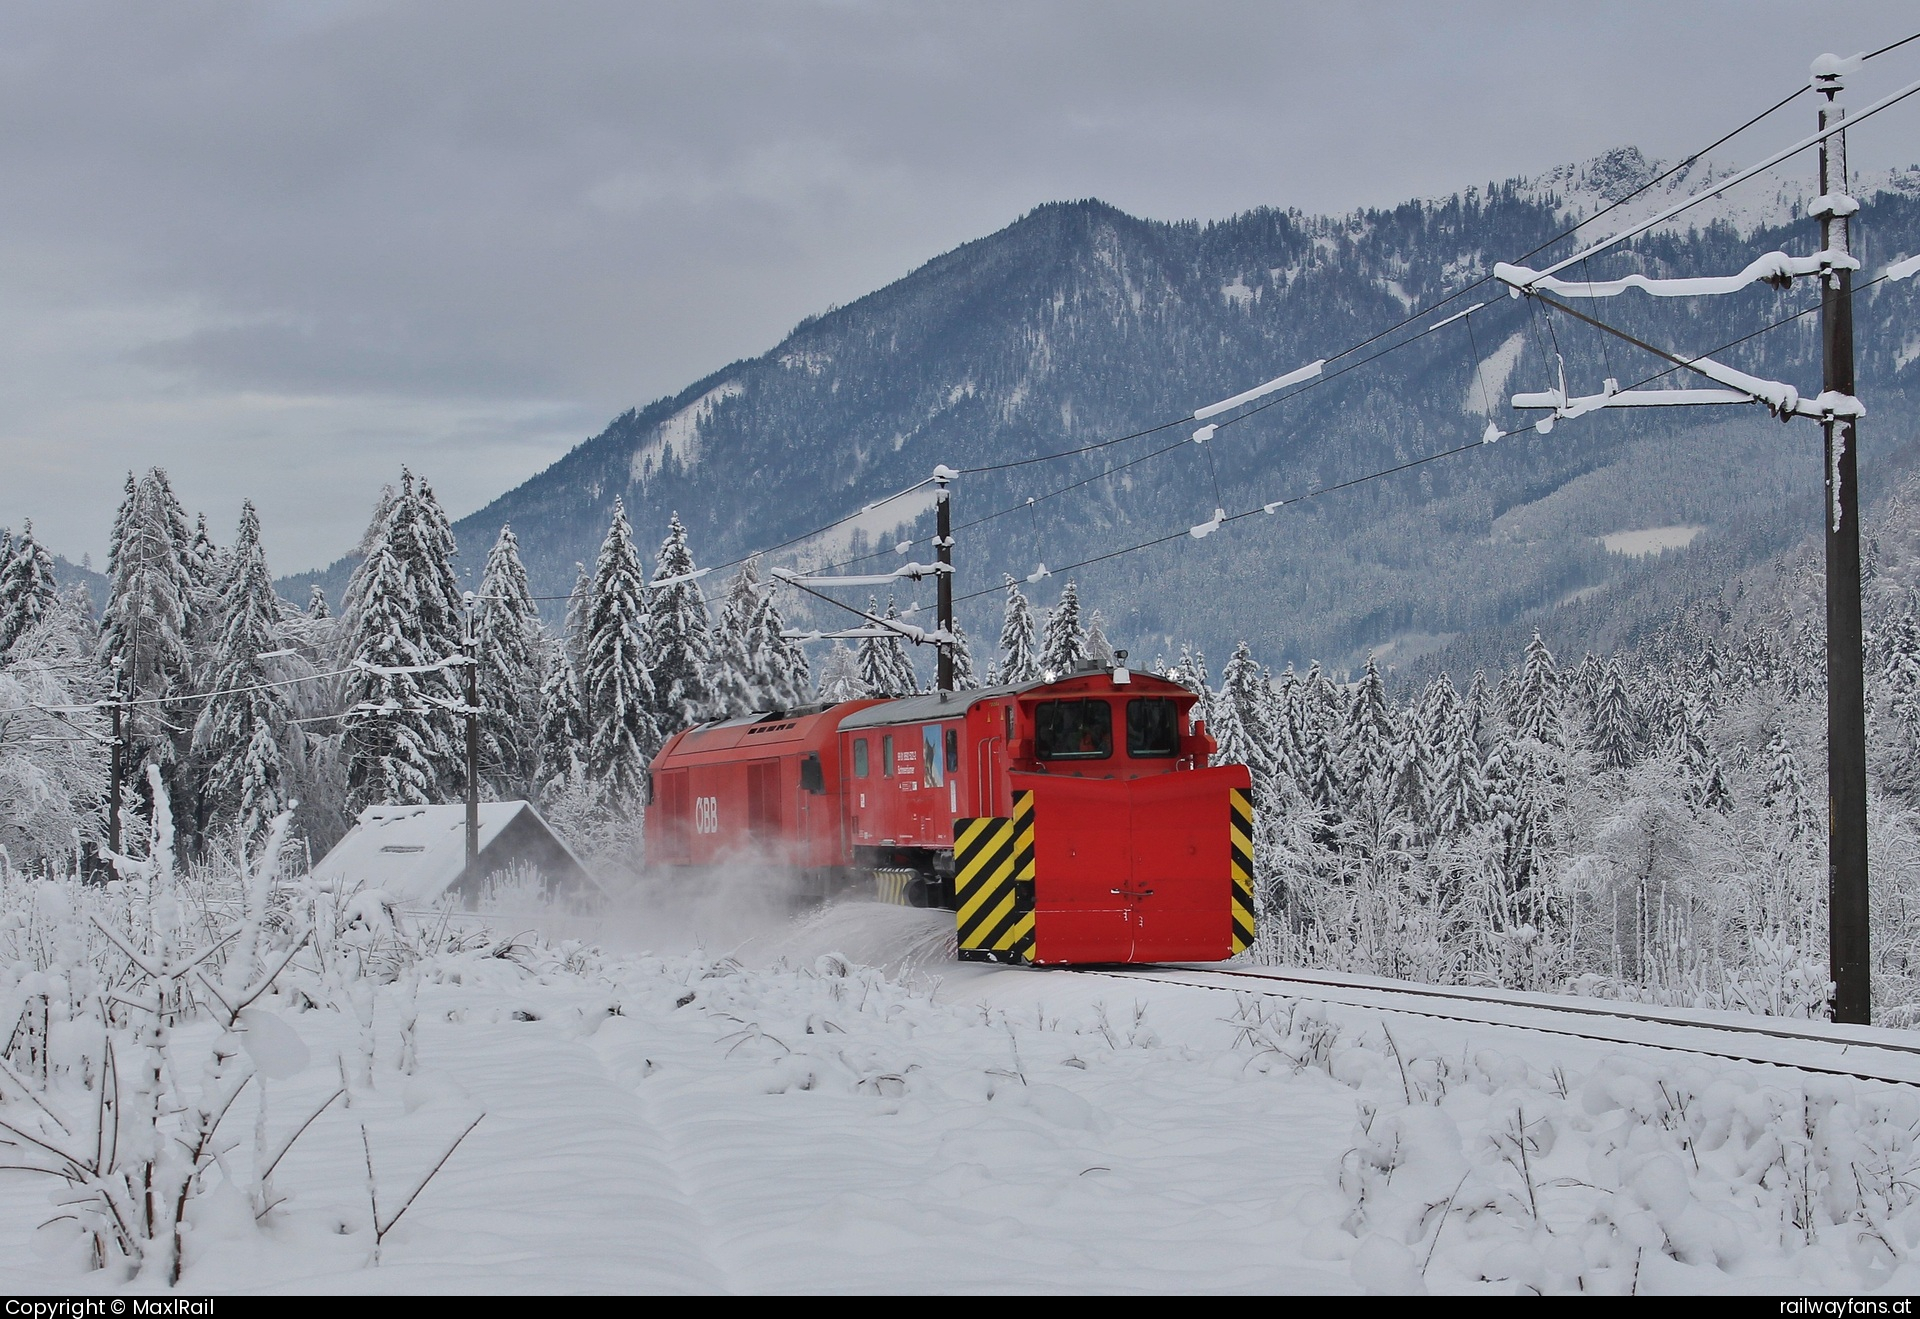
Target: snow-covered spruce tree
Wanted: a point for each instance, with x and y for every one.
(402, 612)
(1367, 739)
(389, 738)
(840, 675)
(1582, 685)
(513, 655)
(1064, 643)
(442, 600)
(885, 669)
(242, 728)
(1239, 717)
(679, 637)
(1900, 692)
(573, 629)
(964, 677)
(1785, 790)
(616, 681)
(1019, 648)
(317, 604)
(1323, 784)
(1614, 733)
(1536, 707)
(738, 683)
(904, 676)
(1439, 705)
(208, 569)
(1279, 699)
(1407, 771)
(1480, 704)
(53, 767)
(1700, 767)
(1519, 818)
(1190, 672)
(1099, 649)
(145, 630)
(27, 588)
(791, 679)
(1456, 786)
(563, 725)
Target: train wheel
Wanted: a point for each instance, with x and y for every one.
(895, 885)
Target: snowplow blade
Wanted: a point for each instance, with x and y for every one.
(1155, 869)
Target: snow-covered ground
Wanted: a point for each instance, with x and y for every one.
(835, 1106)
(1650, 540)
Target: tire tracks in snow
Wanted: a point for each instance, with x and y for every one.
(615, 1050)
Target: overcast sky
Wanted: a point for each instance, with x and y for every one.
(281, 249)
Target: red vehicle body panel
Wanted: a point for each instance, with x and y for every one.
(732, 792)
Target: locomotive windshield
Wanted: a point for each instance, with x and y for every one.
(1153, 727)
(1073, 730)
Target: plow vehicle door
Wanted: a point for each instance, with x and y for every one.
(1134, 870)
(1183, 859)
(1085, 905)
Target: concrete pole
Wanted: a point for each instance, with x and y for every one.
(1848, 947)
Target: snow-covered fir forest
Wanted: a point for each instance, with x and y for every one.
(1645, 825)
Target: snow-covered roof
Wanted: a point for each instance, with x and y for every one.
(416, 853)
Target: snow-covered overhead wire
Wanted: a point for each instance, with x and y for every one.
(919, 636)
(906, 572)
(108, 703)
(1771, 267)
(1491, 436)
(1294, 377)
(804, 536)
(400, 670)
(1781, 399)
(1902, 269)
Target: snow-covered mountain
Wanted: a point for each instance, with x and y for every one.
(1772, 200)
(1078, 324)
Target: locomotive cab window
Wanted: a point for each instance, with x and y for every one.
(1153, 727)
(859, 757)
(886, 756)
(1073, 730)
(953, 750)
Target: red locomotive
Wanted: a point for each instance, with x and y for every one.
(1067, 821)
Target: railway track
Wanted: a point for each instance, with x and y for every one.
(1864, 1052)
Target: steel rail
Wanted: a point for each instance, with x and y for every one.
(1458, 1004)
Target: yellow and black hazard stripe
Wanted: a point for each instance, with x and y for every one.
(995, 914)
(1240, 832)
(1023, 850)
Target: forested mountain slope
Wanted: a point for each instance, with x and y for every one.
(1078, 324)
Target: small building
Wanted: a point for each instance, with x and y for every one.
(416, 855)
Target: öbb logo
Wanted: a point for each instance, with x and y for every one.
(706, 815)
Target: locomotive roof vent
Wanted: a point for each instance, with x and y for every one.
(1088, 666)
